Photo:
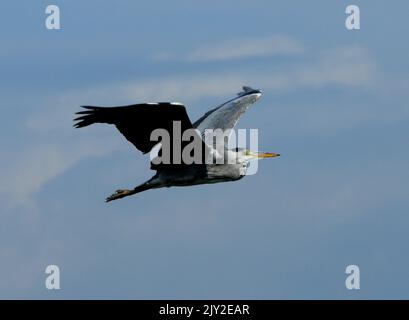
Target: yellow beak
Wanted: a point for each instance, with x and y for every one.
(263, 155)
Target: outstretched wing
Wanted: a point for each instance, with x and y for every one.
(225, 117)
(136, 122)
(228, 114)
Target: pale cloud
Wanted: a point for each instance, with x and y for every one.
(31, 169)
(349, 66)
(345, 66)
(238, 49)
(51, 146)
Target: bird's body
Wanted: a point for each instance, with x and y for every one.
(216, 162)
(211, 173)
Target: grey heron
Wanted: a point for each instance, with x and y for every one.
(137, 122)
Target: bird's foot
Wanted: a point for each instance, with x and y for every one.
(118, 195)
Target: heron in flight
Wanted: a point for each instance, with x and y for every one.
(137, 122)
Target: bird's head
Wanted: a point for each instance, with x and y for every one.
(248, 155)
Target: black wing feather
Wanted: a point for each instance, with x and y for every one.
(136, 122)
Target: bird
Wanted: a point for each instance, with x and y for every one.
(137, 122)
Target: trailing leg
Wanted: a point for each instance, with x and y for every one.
(125, 193)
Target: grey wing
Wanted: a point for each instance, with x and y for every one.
(224, 117)
(228, 114)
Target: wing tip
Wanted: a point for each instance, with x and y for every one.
(249, 90)
(86, 116)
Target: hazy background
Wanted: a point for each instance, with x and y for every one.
(335, 105)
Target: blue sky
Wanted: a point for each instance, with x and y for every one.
(334, 105)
